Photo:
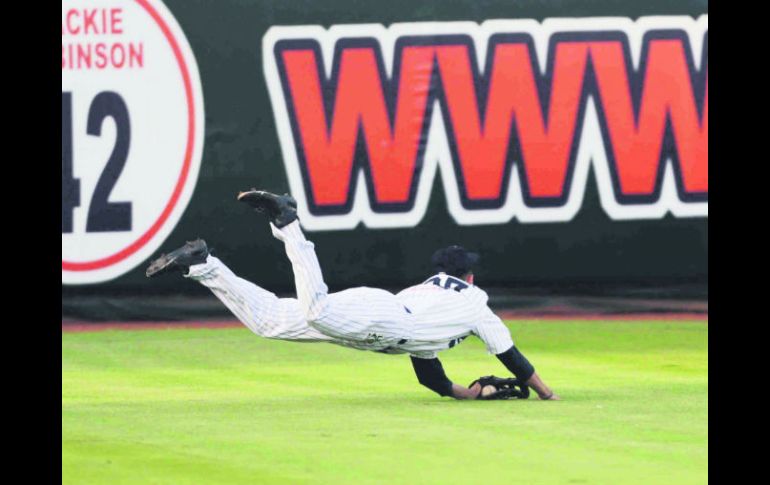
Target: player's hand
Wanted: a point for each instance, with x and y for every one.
(553, 397)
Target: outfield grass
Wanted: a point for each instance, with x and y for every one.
(226, 407)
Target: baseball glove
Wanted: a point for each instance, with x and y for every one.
(505, 388)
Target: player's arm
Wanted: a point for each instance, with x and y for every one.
(519, 366)
(498, 340)
(430, 373)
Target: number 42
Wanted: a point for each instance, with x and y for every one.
(103, 216)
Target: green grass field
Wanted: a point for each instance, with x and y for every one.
(196, 406)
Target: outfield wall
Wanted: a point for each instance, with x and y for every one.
(567, 142)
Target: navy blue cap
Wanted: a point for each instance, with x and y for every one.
(454, 260)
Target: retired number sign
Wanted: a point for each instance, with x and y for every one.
(132, 134)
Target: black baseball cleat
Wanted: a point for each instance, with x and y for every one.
(194, 252)
(281, 209)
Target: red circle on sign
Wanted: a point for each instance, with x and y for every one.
(139, 243)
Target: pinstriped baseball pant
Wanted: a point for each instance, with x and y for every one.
(260, 310)
(365, 318)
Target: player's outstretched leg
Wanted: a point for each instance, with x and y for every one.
(312, 292)
(260, 310)
(368, 318)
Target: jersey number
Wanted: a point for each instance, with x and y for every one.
(451, 283)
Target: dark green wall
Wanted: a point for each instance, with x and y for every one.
(241, 150)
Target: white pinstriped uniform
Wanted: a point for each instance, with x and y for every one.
(421, 320)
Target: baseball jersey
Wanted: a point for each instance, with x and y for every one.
(445, 310)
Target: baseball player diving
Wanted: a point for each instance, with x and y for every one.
(421, 320)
